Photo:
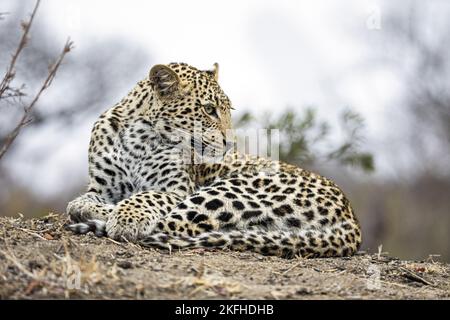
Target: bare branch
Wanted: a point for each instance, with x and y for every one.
(10, 72)
(11, 93)
(26, 117)
(8, 92)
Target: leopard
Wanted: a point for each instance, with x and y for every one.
(150, 183)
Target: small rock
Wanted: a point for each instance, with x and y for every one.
(12, 269)
(302, 291)
(48, 236)
(125, 264)
(124, 254)
(33, 264)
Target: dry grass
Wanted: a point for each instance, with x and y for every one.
(39, 259)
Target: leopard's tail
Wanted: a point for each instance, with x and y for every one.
(286, 244)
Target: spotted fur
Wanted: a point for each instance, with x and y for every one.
(147, 187)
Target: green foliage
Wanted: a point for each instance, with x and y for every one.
(306, 139)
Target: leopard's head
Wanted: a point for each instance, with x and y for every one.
(190, 105)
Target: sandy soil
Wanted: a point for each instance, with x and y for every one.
(39, 260)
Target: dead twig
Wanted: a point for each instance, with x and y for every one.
(26, 117)
(9, 255)
(32, 233)
(10, 74)
(134, 245)
(415, 277)
(293, 267)
(115, 242)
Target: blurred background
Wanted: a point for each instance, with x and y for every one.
(360, 91)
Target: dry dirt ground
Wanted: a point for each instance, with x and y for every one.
(40, 260)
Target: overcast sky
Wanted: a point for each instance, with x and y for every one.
(272, 54)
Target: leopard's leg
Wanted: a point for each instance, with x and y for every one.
(135, 217)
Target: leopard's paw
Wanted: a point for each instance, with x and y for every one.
(130, 225)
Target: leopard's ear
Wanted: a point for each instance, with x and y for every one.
(164, 81)
(215, 71)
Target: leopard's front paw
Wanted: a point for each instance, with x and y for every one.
(129, 224)
(82, 209)
(78, 211)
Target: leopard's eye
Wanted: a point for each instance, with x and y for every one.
(210, 109)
